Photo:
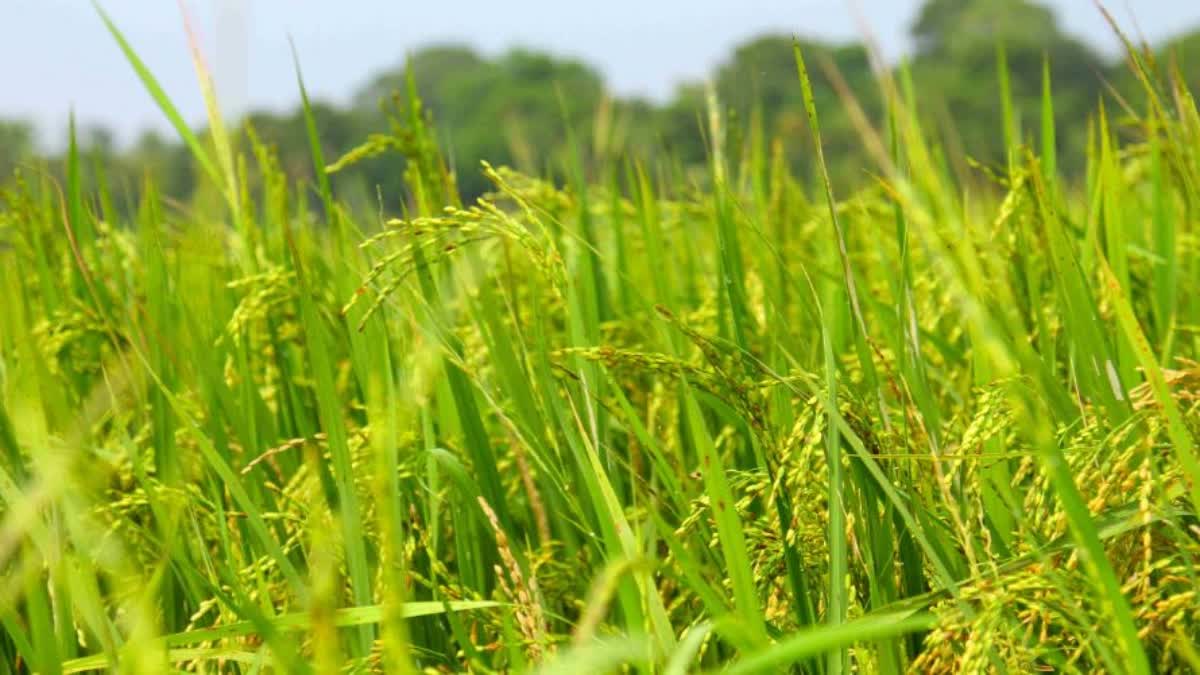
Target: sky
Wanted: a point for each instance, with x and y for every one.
(56, 56)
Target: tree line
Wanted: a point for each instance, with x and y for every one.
(527, 108)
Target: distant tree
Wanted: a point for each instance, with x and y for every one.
(1182, 51)
(168, 163)
(955, 71)
(516, 108)
(16, 146)
(626, 126)
(99, 141)
(761, 78)
(957, 27)
(338, 129)
(680, 125)
(511, 110)
(439, 66)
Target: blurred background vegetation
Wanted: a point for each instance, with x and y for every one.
(519, 108)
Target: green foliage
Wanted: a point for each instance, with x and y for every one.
(507, 110)
(952, 28)
(16, 145)
(956, 57)
(519, 108)
(759, 81)
(613, 415)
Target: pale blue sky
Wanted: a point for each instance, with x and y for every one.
(55, 54)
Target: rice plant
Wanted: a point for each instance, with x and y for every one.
(620, 421)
